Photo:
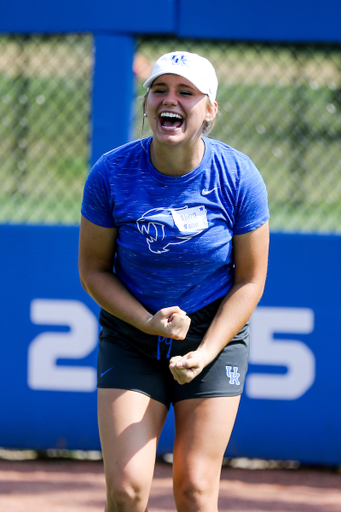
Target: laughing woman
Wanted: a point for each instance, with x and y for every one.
(173, 247)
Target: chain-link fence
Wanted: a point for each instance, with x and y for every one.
(44, 127)
(280, 104)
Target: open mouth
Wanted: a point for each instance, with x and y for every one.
(170, 120)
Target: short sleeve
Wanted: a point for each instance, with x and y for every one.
(97, 205)
(252, 209)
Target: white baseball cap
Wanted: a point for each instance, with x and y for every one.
(195, 68)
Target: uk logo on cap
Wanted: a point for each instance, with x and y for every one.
(180, 60)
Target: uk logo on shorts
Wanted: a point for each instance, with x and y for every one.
(233, 375)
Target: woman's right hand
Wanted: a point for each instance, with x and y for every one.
(170, 322)
(96, 256)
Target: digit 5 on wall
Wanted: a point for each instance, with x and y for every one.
(48, 347)
(295, 355)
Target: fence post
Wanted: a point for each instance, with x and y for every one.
(112, 93)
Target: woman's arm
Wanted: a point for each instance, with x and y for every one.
(251, 262)
(97, 247)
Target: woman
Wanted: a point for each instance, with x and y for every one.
(183, 221)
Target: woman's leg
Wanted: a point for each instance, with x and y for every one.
(130, 424)
(202, 431)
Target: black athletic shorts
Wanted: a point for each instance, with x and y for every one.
(132, 360)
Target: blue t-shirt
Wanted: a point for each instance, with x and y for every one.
(174, 244)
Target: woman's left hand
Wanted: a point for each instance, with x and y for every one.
(185, 368)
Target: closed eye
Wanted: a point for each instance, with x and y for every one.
(159, 90)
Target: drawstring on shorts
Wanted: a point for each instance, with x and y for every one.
(167, 341)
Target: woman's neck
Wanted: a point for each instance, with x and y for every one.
(176, 160)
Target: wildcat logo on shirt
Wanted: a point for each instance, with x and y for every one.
(164, 227)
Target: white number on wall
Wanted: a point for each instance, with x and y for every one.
(294, 355)
(47, 347)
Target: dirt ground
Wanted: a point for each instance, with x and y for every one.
(74, 486)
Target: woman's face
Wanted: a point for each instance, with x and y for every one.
(176, 110)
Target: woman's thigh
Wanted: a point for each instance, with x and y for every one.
(203, 428)
(130, 425)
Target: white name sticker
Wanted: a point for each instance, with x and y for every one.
(190, 220)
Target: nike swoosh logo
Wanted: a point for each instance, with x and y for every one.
(205, 192)
(106, 371)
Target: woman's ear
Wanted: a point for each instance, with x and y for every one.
(211, 111)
